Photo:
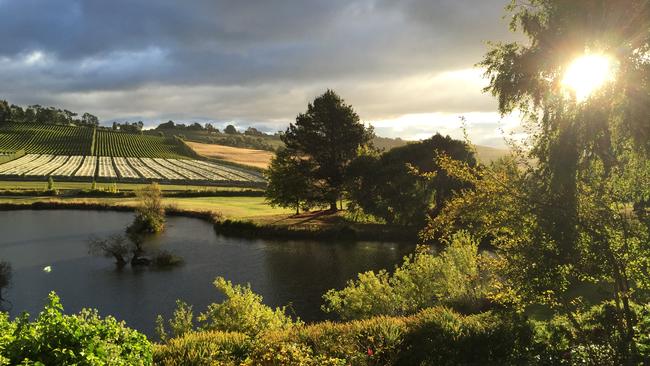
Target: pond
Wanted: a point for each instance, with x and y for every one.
(294, 273)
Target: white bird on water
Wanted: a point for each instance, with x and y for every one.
(47, 269)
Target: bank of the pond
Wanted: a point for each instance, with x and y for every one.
(247, 228)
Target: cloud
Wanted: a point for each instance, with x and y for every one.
(255, 62)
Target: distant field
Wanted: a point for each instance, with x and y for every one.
(126, 170)
(110, 143)
(46, 139)
(256, 158)
(62, 185)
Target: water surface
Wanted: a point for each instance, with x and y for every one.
(294, 273)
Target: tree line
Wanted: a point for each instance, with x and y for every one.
(44, 115)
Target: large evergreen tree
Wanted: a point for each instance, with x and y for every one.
(329, 134)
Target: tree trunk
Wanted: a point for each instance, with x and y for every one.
(333, 206)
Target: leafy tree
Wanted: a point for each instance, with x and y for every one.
(230, 130)
(89, 119)
(566, 222)
(289, 178)
(150, 212)
(405, 184)
(329, 134)
(167, 125)
(5, 111)
(252, 131)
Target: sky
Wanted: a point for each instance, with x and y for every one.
(407, 67)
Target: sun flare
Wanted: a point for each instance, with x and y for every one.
(586, 74)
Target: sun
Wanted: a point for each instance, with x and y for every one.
(586, 74)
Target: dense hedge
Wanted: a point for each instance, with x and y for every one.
(248, 229)
(436, 336)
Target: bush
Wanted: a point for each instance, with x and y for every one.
(57, 339)
(243, 312)
(165, 258)
(150, 213)
(436, 336)
(454, 278)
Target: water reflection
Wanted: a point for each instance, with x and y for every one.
(295, 272)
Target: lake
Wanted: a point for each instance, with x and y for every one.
(294, 273)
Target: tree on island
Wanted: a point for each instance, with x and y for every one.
(329, 134)
(149, 219)
(150, 212)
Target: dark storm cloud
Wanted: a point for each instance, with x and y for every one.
(252, 53)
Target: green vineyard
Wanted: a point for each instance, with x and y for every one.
(46, 139)
(110, 143)
(72, 140)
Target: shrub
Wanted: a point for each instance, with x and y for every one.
(150, 213)
(243, 311)
(204, 348)
(454, 278)
(57, 339)
(165, 258)
(436, 336)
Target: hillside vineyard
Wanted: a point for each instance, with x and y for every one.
(84, 153)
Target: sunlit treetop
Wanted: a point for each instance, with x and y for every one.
(593, 52)
(588, 73)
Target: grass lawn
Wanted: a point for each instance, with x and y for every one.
(231, 207)
(8, 185)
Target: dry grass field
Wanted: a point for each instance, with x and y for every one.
(256, 158)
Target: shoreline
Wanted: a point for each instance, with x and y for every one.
(240, 228)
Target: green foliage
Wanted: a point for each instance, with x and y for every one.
(82, 339)
(243, 311)
(181, 323)
(566, 220)
(329, 134)
(111, 143)
(150, 212)
(46, 139)
(290, 181)
(405, 185)
(454, 277)
(436, 336)
(204, 348)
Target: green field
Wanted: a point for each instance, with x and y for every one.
(46, 139)
(231, 207)
(111, 143)
(73, 140)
